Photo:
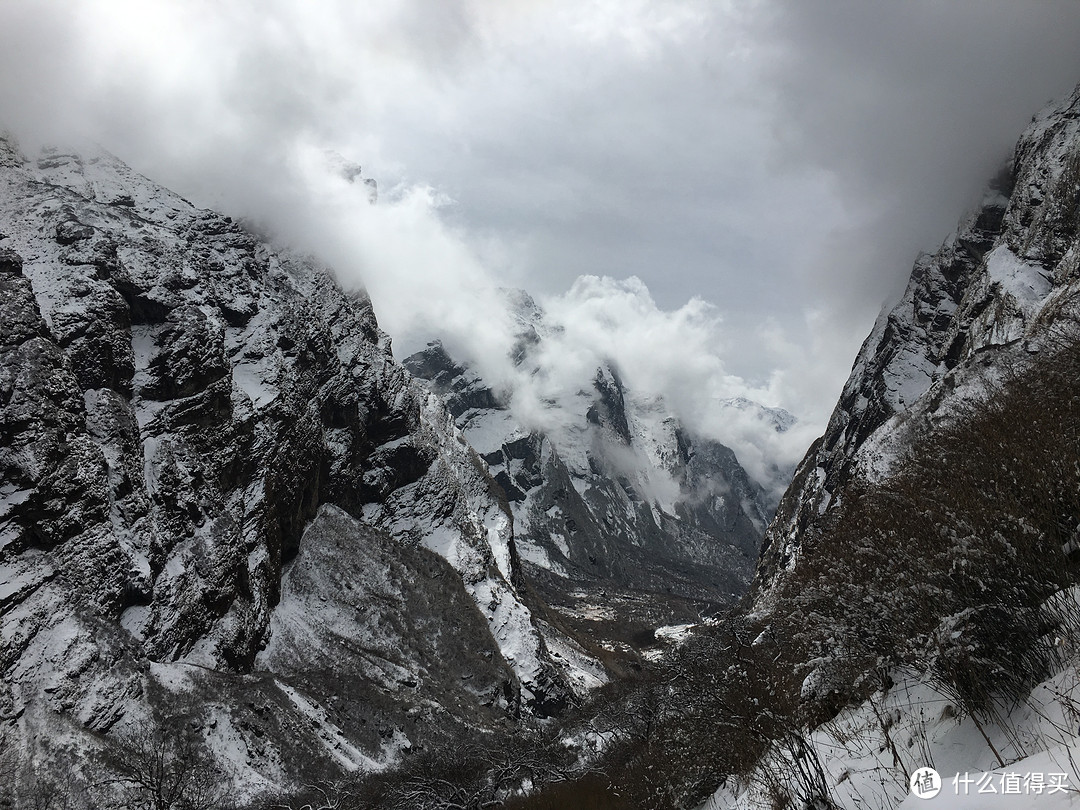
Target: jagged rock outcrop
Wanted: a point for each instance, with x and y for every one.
(203, 441)
(997, 290)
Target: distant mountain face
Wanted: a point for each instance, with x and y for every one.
(221, 498)
(623, 519)
(1002, 288)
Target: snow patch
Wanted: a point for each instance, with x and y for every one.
(1025, 281)
(174, 677)
(251, 378)
(347, 755)
(584, 672)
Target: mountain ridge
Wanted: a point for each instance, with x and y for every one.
(182, 403)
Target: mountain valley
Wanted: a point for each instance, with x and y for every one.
(249, 556)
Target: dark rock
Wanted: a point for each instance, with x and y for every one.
(954, 319)
(189, 355)
(177, 404)
(71, 230)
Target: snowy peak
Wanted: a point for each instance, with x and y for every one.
(924, 555)
(780, 419)
(350, 171)
(614, 501)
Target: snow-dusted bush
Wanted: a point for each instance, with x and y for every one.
(947, 564)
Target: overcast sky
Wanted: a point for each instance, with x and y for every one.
(752, 178)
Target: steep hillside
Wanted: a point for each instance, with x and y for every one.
(917, 590)
(224, 505)
(991, 297)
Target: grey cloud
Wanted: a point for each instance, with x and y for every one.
(781, 159)
(912, 107)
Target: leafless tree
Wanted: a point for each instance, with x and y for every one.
(163, 768)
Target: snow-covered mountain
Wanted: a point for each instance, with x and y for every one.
(919, 582)
(624, 520)
(222, 499)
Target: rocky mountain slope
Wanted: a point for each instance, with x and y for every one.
(916, 600)
(996, 293)
(624, 521)
(222, 500)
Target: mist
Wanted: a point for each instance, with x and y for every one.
(716, 197)
(911, 108)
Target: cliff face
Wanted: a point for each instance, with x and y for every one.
(993, 296)
(205, 441)
(919, 580)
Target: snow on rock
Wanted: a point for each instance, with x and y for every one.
(993, 293)
(584, 672)
(1024, 281)
(339, 748)
(184, 398)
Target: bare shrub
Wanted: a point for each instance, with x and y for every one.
(946, 565)
(162, 768)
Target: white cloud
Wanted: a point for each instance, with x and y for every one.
(677, 355)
